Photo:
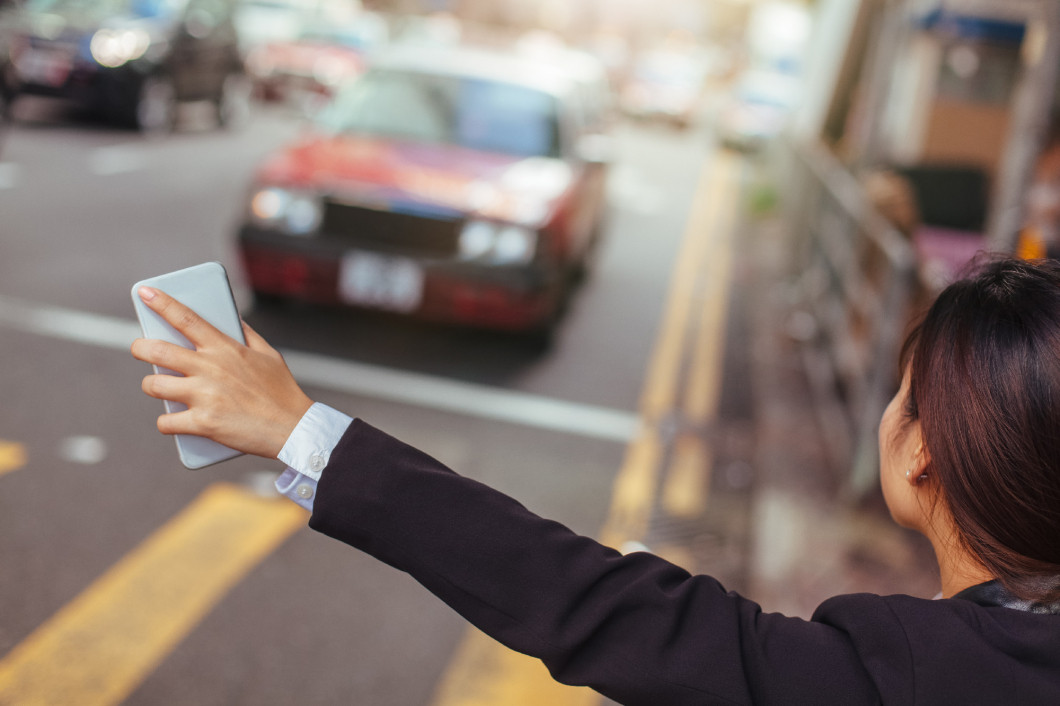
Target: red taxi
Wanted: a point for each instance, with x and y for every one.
(454, 185)
(315, 62)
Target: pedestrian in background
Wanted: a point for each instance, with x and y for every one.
(970, 457)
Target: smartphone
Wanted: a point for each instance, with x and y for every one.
(204, 289)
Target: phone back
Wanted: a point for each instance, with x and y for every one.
(204, 289)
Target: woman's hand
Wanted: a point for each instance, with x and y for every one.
(241, 396)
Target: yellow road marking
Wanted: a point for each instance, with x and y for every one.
(98, 648)
(634, 493)
(513, 679)
(661, 383)
(634, 490)
(484, 672)
(12, 456)
(685, 492)
(635, 486)
(704, 380)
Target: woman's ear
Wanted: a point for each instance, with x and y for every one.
(919, 470)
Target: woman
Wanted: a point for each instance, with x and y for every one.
(970, 450)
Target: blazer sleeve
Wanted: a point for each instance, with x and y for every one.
(635, 628)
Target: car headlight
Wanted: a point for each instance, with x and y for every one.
(329, 70)
(515, 245)
(115, 47)
(476, 239)
(268, 206)
(293, 212)
(497, 244)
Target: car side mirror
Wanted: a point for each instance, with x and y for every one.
(595, 149)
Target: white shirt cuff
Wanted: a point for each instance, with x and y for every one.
(296, 487)
(308, 448)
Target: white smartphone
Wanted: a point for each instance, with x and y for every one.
(204, 289)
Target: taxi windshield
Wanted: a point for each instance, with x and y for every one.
(479, 114)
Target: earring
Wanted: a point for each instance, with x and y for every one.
(909, 476)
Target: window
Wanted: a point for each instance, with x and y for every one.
(474, 113)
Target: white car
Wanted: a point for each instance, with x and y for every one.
(757, 109)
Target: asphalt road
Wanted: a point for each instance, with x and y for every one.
(85, 211)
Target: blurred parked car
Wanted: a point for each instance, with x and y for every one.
(594, 93)
(454, 185)
(8, 19)
(757, 109)
(666, 85)
(132, 60)
(259, 22)
(434, 29)
(317, 61)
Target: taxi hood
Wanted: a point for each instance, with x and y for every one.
(448, 179)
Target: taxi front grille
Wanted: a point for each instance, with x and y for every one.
(409, 234)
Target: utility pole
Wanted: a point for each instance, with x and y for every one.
(1029, 128)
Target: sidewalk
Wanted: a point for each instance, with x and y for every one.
(775, 526)
(806, 543)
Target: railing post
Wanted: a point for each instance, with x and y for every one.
(855, 276)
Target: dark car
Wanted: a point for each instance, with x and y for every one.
(131, 60)
(8, 22)
(455, 185)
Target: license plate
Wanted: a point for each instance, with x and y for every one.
(43, 67)
(380, 282)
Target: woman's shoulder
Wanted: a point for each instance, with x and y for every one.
(959, 641)
(897, 610)
(977, 602)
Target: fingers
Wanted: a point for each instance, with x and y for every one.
(193, 419)
(194, 327)
(177, 423)
(241, 396)
(166, 387)
(163, 354)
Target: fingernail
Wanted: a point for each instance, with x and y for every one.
(147, 294)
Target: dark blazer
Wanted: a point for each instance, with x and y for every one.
(643, 631)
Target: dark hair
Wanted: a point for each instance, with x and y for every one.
(985, 386)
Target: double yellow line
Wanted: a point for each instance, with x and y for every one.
(683, 382)
(681, 392)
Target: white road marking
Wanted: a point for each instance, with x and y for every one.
(628, 190)
(85, 450)
(68, 324)
(10, 175)
(116, 159)
(417, 389)
(464, 398)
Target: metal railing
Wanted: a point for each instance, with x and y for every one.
(854, 278)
